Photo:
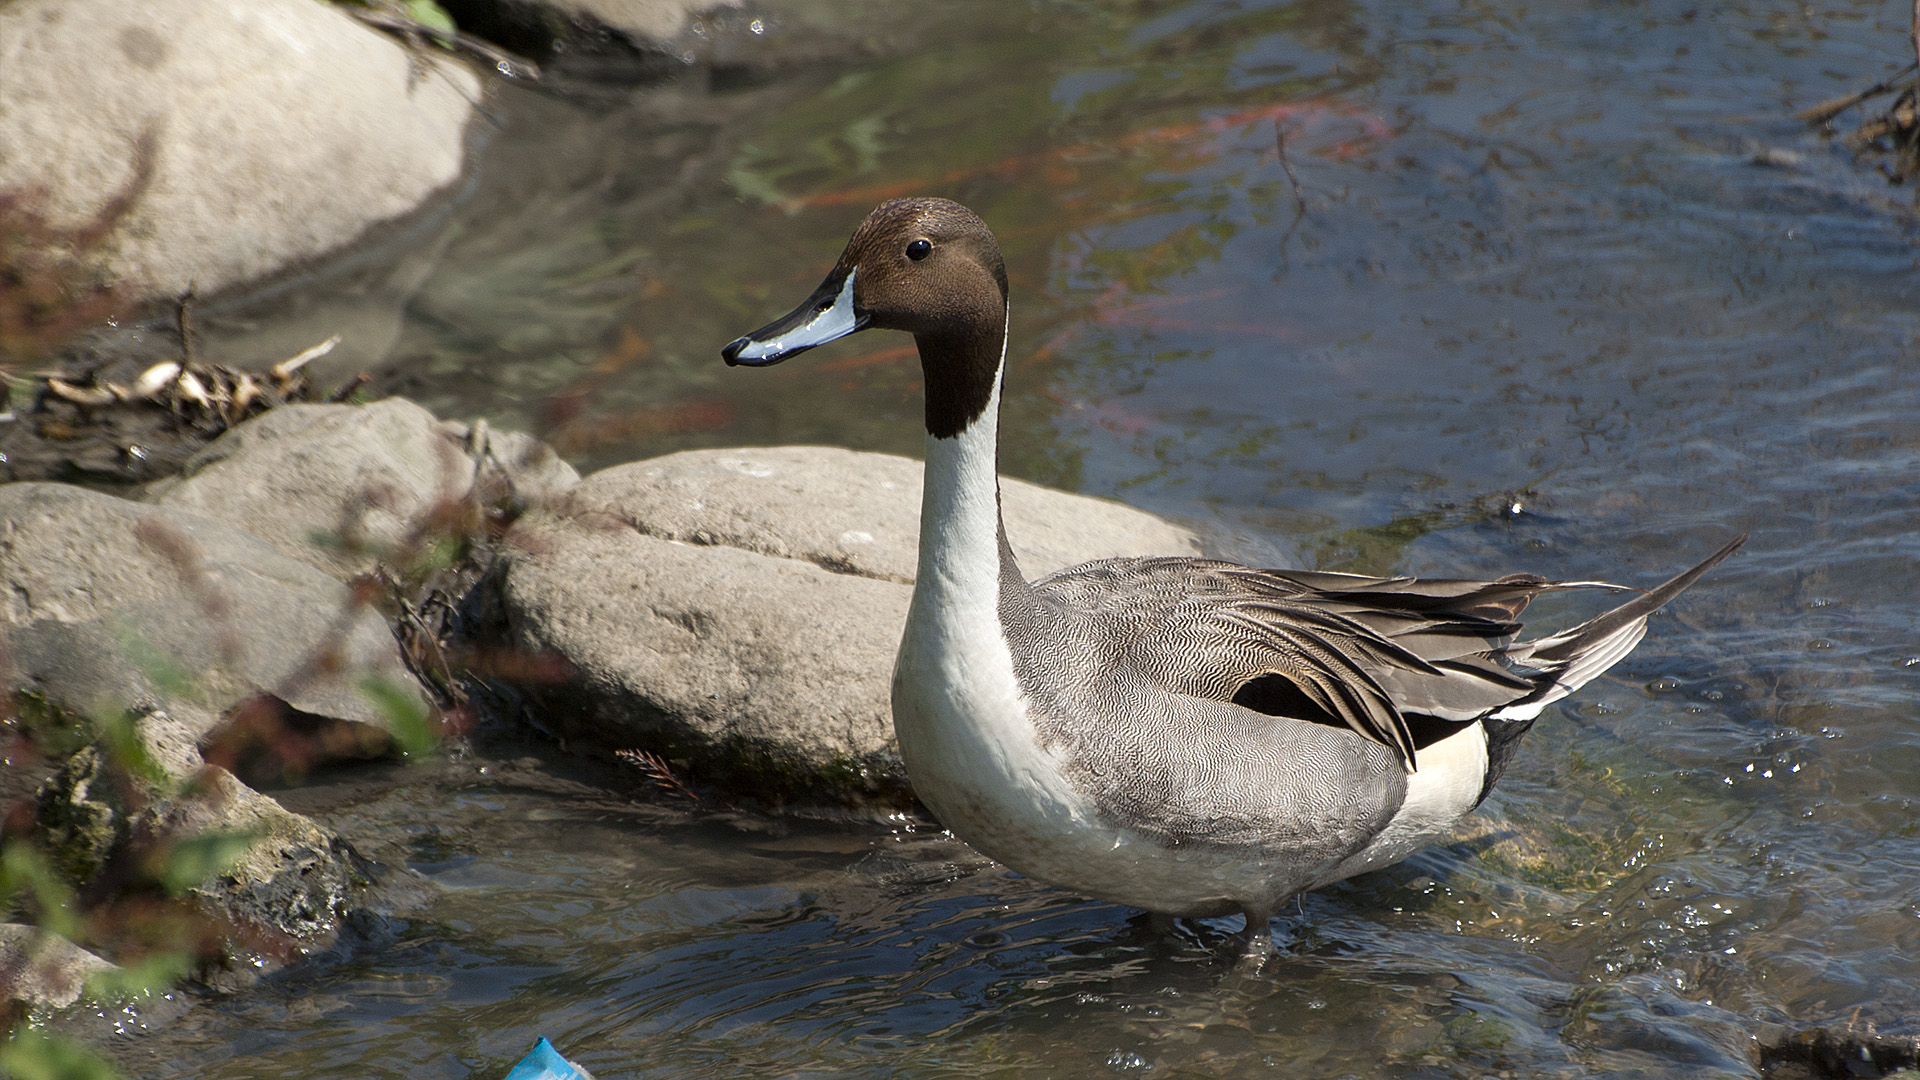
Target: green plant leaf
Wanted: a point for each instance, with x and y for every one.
(34, 1055)
(429, 14)
(165, 672)
(119, 737)
(152, 975)
(407, 718)
(201, 857)
(24, 868)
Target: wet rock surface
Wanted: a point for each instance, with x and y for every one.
(738, 610)
(1837, 1051)
(248, 136)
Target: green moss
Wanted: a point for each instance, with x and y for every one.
(82, 815)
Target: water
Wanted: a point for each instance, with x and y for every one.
(1553, 287)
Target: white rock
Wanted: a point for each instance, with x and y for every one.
(282, 128)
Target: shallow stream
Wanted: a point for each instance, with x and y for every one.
(1446, 288)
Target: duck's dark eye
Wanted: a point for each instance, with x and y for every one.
(919, 249)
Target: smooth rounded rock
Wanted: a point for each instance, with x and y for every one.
(108, 604)
(278, 129)
(854, 512)
(336, 486)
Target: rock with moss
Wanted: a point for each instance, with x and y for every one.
(281, 879)
(108, 605)
(141, 810)
(736, 612)
(217, 143)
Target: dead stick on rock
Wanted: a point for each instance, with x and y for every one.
(183, 317)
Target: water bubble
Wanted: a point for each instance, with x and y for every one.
(1316, 1003)
(1664, 685)
(1821, 644)
(757, 27)
(1127, 1061)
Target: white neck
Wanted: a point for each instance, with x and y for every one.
(960, 509)
(957, 705)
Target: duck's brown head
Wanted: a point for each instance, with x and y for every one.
(928, 266)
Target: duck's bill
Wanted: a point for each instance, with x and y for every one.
(828, 315)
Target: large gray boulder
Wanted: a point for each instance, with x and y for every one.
(738, 610)
(279, 129)
(107, 604)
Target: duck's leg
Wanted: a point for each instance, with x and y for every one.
(1258, 943)
(1161, 923)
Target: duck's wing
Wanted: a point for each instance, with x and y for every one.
(1364, 652)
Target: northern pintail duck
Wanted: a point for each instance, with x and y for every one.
(1183, 735)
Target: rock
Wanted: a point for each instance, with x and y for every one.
(44, 969)
(277, 130)
(283, 884)
(1839, 1050)
(294, 881)
(738, 610)
(335, 486)
(513, 464)
(108, 605)
(852, 512)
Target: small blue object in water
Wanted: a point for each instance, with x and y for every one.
(543, 1062)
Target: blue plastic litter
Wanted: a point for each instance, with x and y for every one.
(543, 1062)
